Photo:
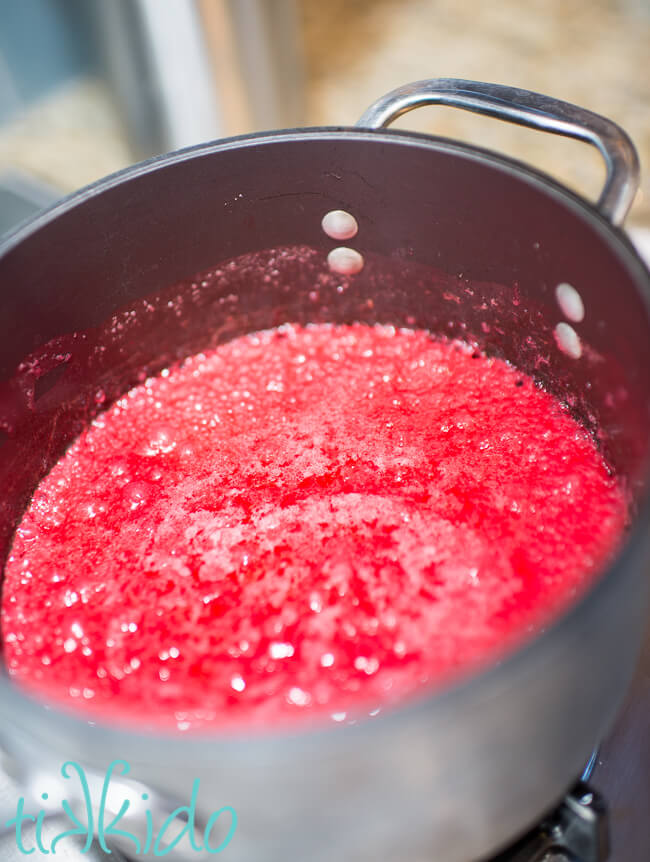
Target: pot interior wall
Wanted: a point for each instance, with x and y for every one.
(104, 291)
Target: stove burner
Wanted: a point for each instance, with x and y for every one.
(577, 831)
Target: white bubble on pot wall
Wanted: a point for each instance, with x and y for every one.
(568, 340)
(339, 224)
(345, 261)
(570, 302)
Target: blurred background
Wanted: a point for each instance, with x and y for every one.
(90, 86)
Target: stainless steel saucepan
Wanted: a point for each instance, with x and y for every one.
(99, 290)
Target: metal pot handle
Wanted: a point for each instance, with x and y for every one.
(526, 109)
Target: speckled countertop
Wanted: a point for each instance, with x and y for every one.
(594, 53)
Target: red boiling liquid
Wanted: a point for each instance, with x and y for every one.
(307, 521)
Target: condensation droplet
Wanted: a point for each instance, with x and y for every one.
(568, 340)
(570, 302)
(345, 261)
(339, 224)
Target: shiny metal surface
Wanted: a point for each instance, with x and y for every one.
(526, 109)
(622, 775)
(622, 772)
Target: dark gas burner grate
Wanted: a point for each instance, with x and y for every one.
(577, 831)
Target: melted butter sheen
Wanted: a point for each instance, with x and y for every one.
(304, 522)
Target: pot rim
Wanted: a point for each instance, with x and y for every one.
(207, 744)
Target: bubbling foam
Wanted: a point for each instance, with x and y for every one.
(315, 521)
